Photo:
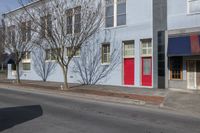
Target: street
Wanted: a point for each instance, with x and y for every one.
(34, 112)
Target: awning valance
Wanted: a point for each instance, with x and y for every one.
(184, 45)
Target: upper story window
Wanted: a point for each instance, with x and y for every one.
(46, 26)
(115, 13)
(26, 31)
(109, 13)
(73, 20)
(121, 12)
(194, 6)
(11, 34)
(146, 47)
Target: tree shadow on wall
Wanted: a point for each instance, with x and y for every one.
(12, 116)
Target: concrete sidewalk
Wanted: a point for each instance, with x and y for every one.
(143, 95)
(183, 101)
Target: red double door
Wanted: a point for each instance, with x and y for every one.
(146, 71)
(129, 71)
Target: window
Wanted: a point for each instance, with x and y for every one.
(26, 66)
(70, 50)
(26, 61)
(14, 67)
(11, 34)
(46, 28)
(146, 47)
(27, 56)
(194, 6)
(69, 13)
(121, 12)
(26, 31)
(115, 13)
(106, 53)
(129, 49)
(51, 53)
(109, 13)
(77, 21)
(176, 67)
(73, 20)
(48, 54)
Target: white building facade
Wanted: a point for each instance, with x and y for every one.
(142, 30)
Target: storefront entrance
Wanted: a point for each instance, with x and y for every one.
(193, 74)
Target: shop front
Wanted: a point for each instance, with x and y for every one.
(184, 61)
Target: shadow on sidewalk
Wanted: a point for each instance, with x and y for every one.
(12, 116)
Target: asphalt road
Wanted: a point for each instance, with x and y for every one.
(27, 112)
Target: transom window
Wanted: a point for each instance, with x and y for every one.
(105, 53)
(194, 6)
(146, 47)
(115, 13)
(176, 67)
(129, 49)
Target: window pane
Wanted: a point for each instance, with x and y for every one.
(194, 6)
(109, 11)
(26, 66)
(146, 47)
(176, 67)
(129, 49)
(147, 66)
(105, 53)
(109, 22)
(121, 8)
(121, 20)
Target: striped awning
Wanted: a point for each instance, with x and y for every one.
(184, 45)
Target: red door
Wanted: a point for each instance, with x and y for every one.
(129, 71)
(146, 71)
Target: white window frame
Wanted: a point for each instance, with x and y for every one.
(146, 48)
(108, 54)
(188, 8)
(133, 49)
(73, 15)
(115, 15)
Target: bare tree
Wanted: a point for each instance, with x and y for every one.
(18, 37)
(89, 66)
(1, 41)
(66, 24)
(42, 67)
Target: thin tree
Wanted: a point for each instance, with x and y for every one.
(18, 37)
(66, 24)
(89, 66)
(42, 67)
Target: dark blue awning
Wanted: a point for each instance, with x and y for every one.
(184, 45)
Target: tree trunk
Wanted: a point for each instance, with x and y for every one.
(65, 73)
(18, 74)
